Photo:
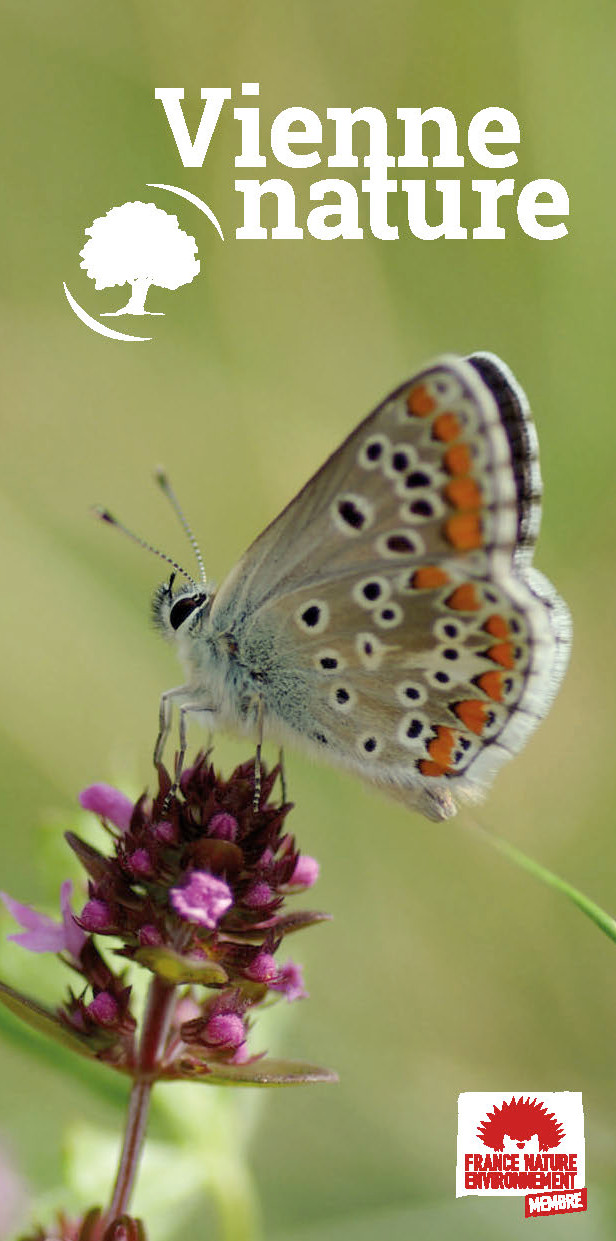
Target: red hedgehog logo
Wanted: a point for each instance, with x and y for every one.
(522, 1124)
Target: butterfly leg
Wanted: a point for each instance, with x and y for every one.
(283, 778)
(181, 754)
(187, 708)
(256, 797)
(166, 705)
(164, 719)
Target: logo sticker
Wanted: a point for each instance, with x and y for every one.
(139, 245)
(525, 1144)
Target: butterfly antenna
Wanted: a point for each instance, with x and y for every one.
(104, 515)
(165, 486)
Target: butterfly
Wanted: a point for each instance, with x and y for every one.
(389, 619)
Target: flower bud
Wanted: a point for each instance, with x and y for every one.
(166, 833)
(104, 1008)
(263, 968)
(140, 863)
(306, 872)
(223, 826)
(258, 895)
(224, 1030)
(96, 916)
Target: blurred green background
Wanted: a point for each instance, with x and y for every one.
(444, 970)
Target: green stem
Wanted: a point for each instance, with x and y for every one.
(134, 1137)
(603, 920)
(159, 1010)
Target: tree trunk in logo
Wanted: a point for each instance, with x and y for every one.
(136, 302)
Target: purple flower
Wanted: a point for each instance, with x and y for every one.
(202, 898)
(41, 933)
(186, 1009)
(241, 1054)
(290, 982)
(109, 803)
(75, 938)
(306, 872)
(193, 887)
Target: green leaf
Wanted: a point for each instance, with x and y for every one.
(47, 1022)
(297, 921)
(282, 926)
(259, 1073)
(94, 862)
(175, 968)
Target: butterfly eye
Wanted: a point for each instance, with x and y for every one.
(183, 608)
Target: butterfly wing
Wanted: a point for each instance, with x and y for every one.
(408, 636)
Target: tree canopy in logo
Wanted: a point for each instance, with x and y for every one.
(140, 245)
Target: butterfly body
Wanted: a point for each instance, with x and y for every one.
(389, 619)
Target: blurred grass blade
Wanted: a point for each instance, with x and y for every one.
(603, 920)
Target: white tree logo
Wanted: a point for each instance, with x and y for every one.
(140, 245)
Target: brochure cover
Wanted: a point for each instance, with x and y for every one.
(307, 632)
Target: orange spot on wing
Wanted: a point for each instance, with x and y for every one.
(446, 427)
(457, 460)
(463, 493)
(496, 626)
(463, 531)
(429, 577)
(428, 768)
(502, 654)
(441, 748)
(419, 402)
(472, 713)
(464, 599)
(492, 684)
